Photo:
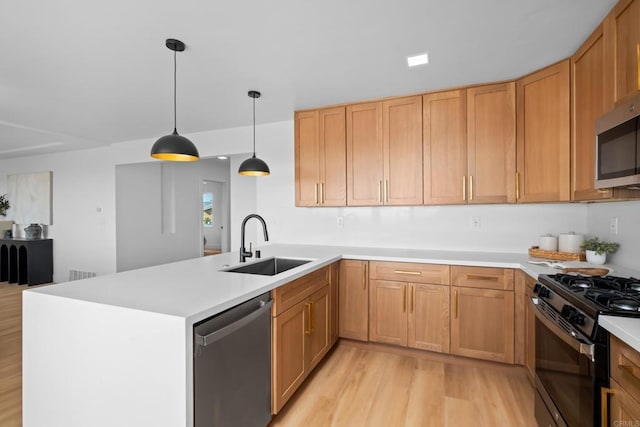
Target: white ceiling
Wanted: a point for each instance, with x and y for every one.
(81, 73)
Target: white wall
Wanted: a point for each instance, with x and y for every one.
(628, 214)
(84, 207)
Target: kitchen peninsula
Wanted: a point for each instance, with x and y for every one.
(117, 349)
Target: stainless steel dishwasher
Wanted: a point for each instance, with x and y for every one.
(232, 366)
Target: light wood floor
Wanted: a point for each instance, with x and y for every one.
(371, 385)
(11, 355)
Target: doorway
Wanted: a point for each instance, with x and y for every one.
(215, 214)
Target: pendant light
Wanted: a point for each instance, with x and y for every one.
(253, 166)
(174, 147)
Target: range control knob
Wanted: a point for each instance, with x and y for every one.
(572, 315)
(544, 292)
(536, 288)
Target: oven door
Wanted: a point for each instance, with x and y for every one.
(565, 371)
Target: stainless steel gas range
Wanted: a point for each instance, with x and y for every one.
(572, 350)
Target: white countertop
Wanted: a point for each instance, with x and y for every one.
(196, 289)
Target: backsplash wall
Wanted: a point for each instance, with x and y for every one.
(599, 216)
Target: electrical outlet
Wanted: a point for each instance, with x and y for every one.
(340, 221)
(475, 223)
(613, 225)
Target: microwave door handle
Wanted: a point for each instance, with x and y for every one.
(578, 344)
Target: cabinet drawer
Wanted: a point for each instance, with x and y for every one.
(482, 277)
(625, 367)
(436, 274)
(288, 295)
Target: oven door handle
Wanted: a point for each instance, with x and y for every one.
(578, 342)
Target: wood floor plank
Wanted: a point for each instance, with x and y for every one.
(372, 385)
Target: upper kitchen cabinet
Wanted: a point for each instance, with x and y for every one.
(384, 152)
(491, 143)
(591, 97)
(470, 145)
(320, 157)
(622, 38)
(543, 135)
(445, 147)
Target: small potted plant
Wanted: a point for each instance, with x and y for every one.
(4, 205)
(597, 250)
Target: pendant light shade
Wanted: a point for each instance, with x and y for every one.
(174, 147)
(254, 166)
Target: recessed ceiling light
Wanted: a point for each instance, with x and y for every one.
(415, 60)
(222, 157)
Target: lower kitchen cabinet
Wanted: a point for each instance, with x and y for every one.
(624, 391)
(388, 312)
(429, 317)
(354, 300)
(301, 333)
(483, 313)
(406, 312)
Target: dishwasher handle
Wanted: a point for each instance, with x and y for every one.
(205, 340)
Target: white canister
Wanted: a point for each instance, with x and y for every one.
(548, 243)
(570, 242)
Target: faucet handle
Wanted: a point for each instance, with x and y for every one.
(258, 254)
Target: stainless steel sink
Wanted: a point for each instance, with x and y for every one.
(269, 266)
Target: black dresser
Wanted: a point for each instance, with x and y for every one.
(26, 262)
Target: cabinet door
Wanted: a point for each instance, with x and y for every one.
(333, 157)
(625, 410)
(334, 291)
(444, 147)
(354, 300)
(429, 317)
(288, 354)
(588, 103)
(543, 135)
(364, 154)
(402, 139)
(491, 143)
(622, 27)
(317, 332)
(388, 312)
(307, 155)
(482, 324)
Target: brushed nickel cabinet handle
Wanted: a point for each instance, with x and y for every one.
(322, 193)
(517, 185)
(316, 193)
(380, 199)
(413, 273)
(470, 187)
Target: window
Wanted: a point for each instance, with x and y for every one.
(207, 209)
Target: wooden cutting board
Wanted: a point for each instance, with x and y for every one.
(587, 271)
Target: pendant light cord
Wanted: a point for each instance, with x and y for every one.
(254, 127)
(175, 108)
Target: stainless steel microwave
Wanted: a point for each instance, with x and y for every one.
(618, 146)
